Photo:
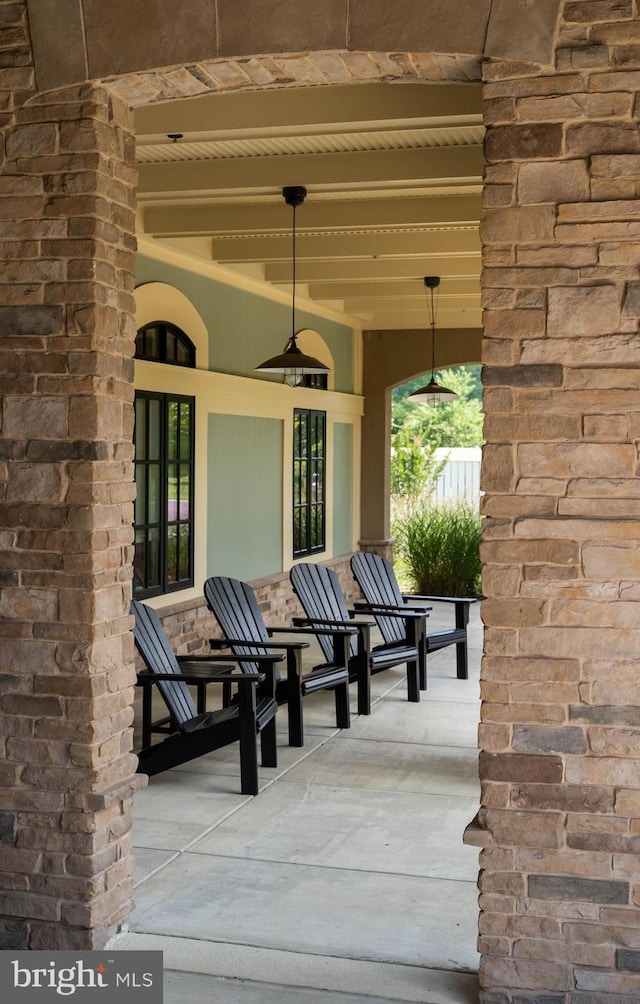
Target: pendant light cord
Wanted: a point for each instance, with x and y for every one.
(293, 293)
(433, 334)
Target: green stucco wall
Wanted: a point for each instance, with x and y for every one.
(245, 328)
(244, 497)
(342, 487)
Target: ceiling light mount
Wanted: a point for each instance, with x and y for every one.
(432, 393)
(293, 362)
(294, 195)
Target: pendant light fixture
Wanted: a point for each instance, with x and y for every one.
(432, 393)
(293, 362)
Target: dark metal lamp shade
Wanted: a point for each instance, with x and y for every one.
(433, 393)
(293, 363)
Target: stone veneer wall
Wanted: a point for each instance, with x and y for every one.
(66, 671)
(560, 881)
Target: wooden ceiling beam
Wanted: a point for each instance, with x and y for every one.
(345, 245)
(297, 107)
(182, 180)
(401, 289)
(439, 261)
(195, 221)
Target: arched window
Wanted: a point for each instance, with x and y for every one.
(163, 342)
(164, 438)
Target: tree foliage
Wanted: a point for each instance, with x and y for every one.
(414, 468)
(456, 423)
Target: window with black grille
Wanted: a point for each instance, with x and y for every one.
(309, 456)
(164, 465)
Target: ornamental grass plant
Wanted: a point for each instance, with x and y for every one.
(438, 549)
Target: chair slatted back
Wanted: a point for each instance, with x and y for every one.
(320, 593)
(233, 604)
(153, 645)
(377, 580)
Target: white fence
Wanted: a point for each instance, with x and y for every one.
(460, 479)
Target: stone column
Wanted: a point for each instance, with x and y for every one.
(561, 690)
(66, 657)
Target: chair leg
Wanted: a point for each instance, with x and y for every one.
(343, 711)
(268, 747)
(413, 682)
(462, 661)
(294, 698)
(226, 694)
(248, 740)
(363, 677)
(422, 661)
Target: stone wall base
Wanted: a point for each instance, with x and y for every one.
(382, 547)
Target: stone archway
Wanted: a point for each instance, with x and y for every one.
(390, 359)
(560, 795)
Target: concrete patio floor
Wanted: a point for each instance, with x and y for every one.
(345, 881)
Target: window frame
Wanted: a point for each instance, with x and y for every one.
(312, 503)
(163, 462)
(315, 381)
(165, 329)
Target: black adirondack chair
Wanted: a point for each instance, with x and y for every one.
(233, 604)
(377, 580)
(322, 599)
(191, 732)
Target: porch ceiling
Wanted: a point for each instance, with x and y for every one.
(393, 174)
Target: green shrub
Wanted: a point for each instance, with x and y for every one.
(438, 546)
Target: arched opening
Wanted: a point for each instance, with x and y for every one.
(352, 231)
(557, 323)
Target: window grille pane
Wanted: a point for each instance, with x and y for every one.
(185, 430)
(155, 430)
(140, 439)
(153, 558)
(139, 560)
(173, 411)
(170, 354)
(140, 505)
(172, 553)
(184, 492)
(153, 486)
(182, 353)
(183, 563)
(172, 492)
(302, 522)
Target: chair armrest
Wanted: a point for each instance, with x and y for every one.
(327, 622)
(402, 613)
(329, 631)
(441, 599)
(364, 605)
(317, 631)
(199, 675)
(250, 643)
